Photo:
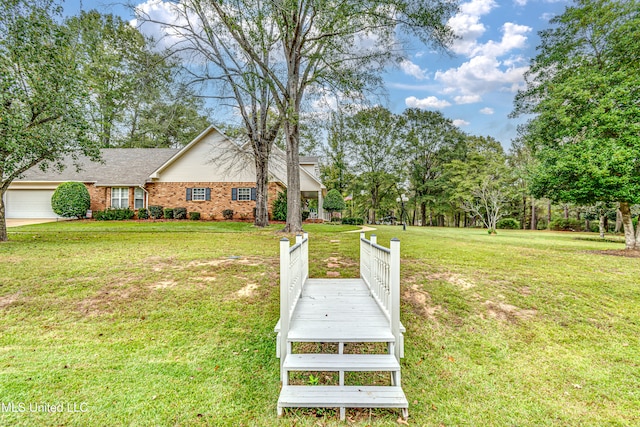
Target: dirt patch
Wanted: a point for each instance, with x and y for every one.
(333, 274)
(7, 300)
(249, 290)
(454, 279)
(421, 301)
(165, 284)
(613, 252)
(103, 302)
(507, 312)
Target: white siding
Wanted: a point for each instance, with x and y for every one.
(212, 159)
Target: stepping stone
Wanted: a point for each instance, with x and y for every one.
(333, 274)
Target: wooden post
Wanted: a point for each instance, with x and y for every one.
(362, 260)
(372, 266)
(306, 257)
(300, 266)
(284, 301)
(395, 294)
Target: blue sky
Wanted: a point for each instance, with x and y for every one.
(474, 86)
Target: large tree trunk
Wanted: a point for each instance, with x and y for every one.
(549, 213)
(294, 214)
(638, 234)
(601, 225)
(627, 223)
(423, 214)
(566, 212)
(524, 211)
(262, 188)
(534, 219)
(3, 220)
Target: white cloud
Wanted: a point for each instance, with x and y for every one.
(547, 16)
(467, 99)
(513, 37)
(520, 2)
(412, 69)
(460, 122)
(477, 7)
(487, 111)
(424, 103)
(480, 75)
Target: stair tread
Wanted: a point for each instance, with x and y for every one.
(341, 362)
(343, 396)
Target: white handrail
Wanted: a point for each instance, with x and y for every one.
(294, 272)
(380, 270)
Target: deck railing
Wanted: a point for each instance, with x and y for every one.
(380, 270)
(294, 271)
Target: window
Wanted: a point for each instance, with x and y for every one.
(244, 194)
(198, 194)
(120, 197)
(138, 196)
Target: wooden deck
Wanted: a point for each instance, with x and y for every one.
(360, 310)
(338, 310)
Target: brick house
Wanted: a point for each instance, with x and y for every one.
(210, 174)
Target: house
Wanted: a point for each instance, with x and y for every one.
(210, 174)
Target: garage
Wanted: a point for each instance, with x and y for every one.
(29, 204)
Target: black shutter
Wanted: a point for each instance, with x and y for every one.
(207, 194)
(188, 194)
(234, 194)
(253, 193)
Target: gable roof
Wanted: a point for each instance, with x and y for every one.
(119, 167)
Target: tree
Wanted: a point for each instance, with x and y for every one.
(374, 146)
(334, 202)
(584, 89)
(335, 171)
(43, 93)
(429, 141)
(322, 44)
(71, 200)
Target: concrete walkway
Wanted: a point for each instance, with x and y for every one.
(364, 228)
(13, 222)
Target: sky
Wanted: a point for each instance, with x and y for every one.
(474, 85)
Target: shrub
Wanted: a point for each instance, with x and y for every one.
(542, 224)
(71, 199)
(352, 221)
(334, 202)
(227, 214)
(143, 213)
(279, 207)
(305, 215)
(168, 213)
(180, 213)
(244, 216)
(194, 216)
(571, 224)
(114, 214)
(155, 212)
(508, 224)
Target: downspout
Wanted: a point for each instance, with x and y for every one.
(146, 197)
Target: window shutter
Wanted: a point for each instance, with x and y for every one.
(234, 194)
(188, 194)
(207, 194)
(253, 193)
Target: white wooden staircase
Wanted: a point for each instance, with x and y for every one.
(344, 312)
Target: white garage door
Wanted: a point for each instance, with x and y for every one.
(29, 204)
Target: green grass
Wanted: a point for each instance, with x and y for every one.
(158, 324)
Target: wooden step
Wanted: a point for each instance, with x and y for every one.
(342, 397)
(342, 362)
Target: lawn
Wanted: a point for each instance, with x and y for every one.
(170, 324)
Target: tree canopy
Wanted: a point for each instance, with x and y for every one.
(584, 89)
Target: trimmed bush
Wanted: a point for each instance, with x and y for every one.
(508, 224)
(334, 202)
(352, 221)
(194, 216)
(143, 213)
(114, 214)
(168, 213)
(571, 224)
(180, 213)
(279, 207)
(156, 212)
(227, 214)
(71, 200)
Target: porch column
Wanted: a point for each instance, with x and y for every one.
(320, 209)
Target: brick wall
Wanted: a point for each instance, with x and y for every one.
(174, 195)
(99, 197)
